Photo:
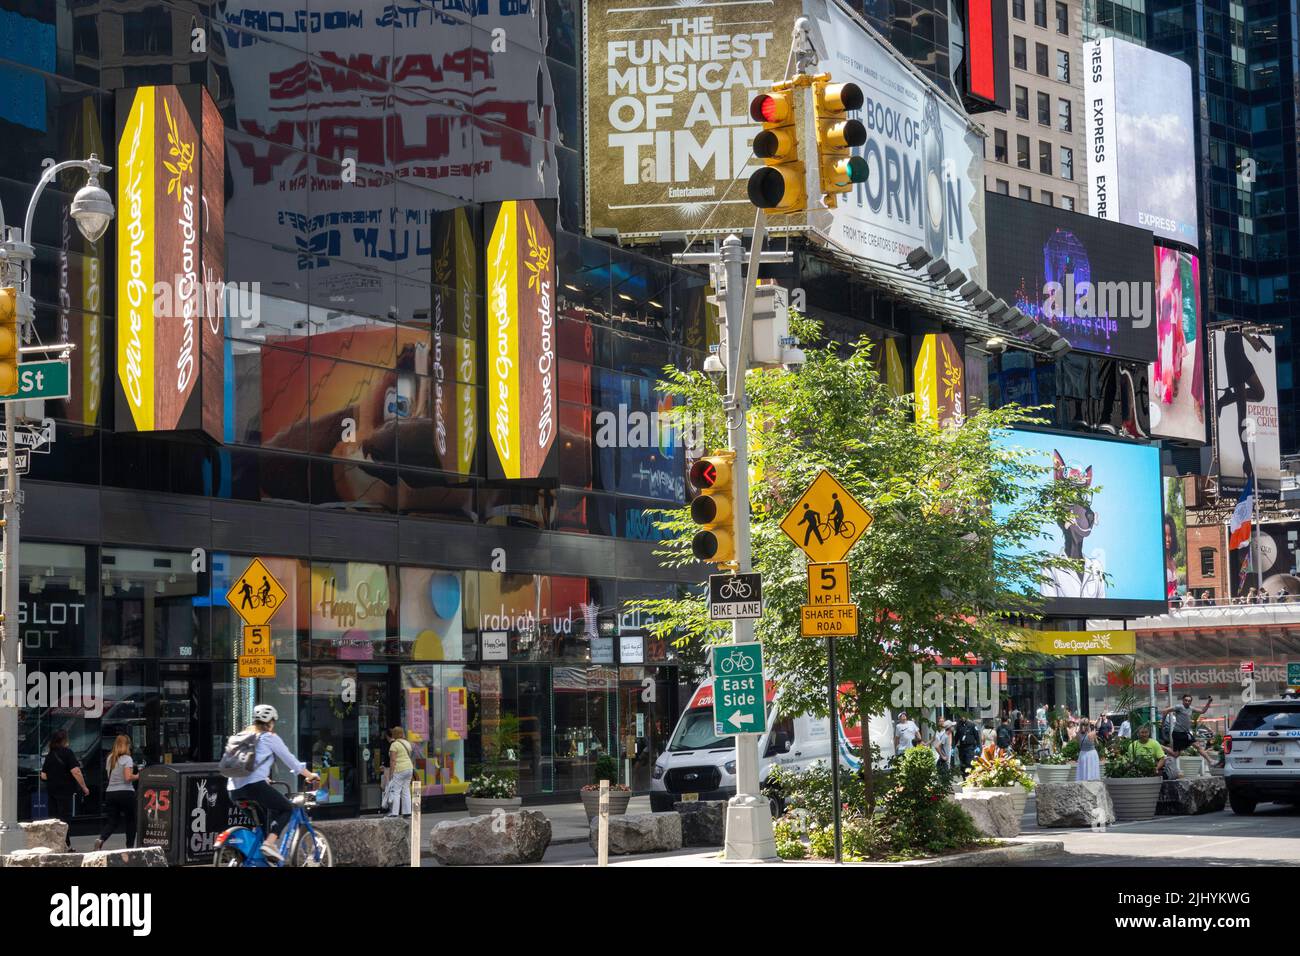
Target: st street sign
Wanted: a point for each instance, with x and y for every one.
(735, 596)
(40, 380)
(738, 689)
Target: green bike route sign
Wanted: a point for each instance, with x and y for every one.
(738, 689)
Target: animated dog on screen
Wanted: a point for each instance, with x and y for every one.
(1089, 581)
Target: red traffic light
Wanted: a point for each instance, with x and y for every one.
(704, 473)
(767, 108)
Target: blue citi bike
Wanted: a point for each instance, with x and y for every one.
(300, 843)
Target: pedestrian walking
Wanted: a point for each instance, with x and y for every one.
(1089, 763)
(401, 756)
(943, 745)
(62, 775)
(1004, 735)
(1126, 729)
(1104, 729)
(968, 742)
(905, 732)
(119, 795)
(988, 736)
(1040, 720)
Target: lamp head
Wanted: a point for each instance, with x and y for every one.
(92, 210)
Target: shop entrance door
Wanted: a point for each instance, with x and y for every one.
(644, 705)
(374, 714)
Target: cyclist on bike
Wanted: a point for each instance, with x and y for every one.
(264, 592)
(256, 787)
(837, 513)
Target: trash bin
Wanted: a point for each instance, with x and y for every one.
(181, 807)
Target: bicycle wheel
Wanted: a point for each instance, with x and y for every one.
(310, 848)
(228, 856)
(846, 529)
(269, 601)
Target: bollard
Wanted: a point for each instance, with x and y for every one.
(603, 838)
(417, 788)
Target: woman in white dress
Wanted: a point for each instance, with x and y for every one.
(1089, 763)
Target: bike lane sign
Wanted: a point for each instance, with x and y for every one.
(826, 521)
(256, 594)
(734, 596)
(738, 689)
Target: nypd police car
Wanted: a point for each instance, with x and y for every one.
(1262, 754)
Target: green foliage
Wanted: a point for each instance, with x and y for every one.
(999, 770)
(956, 827)
(927, 577)
(809, 791)
(1129, 762)
(1070, 750)
(909, 813)
(788, 837)
(493, 786)
(606, 769)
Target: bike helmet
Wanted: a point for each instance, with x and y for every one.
(265, 714)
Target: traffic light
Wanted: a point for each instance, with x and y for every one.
(714, 508)
(839, 169)
(8, 340)
(777, 188)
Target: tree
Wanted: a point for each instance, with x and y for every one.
(951, 564)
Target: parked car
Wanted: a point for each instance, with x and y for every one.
(1262, 755)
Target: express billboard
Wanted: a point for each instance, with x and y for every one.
(1088, 279)
(1177, 376)
(1116, 539)
(1141, 159)
(669, 133)
(171, 254)
(1246, 437)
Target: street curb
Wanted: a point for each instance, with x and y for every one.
(563, 841)
(1017, 852)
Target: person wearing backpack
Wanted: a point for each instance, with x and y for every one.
(248, 761)
(968, 743)
(401, 758)
(61, 772)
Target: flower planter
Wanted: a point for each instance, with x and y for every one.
(1019, 795)
(1191, 766)
(618, 800)
(483, 806)
(1056, 772)
(1134, 797)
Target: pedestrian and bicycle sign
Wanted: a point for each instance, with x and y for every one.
(738, 689)
(37, 380)
(256, 595)
(733, 596)
(826, 521)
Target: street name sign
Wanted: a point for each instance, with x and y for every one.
(256, 594)
(829, 620)
(826, 521)
(40, 380)
(828, 583)
(738, 689)
(734, 596)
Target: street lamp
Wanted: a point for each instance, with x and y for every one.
(92, 211)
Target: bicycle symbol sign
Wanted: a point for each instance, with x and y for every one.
(734, 596)
(256, 594)
(826, 521)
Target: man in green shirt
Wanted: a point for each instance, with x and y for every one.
(1144, 744)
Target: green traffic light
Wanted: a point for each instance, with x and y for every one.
(853, 169)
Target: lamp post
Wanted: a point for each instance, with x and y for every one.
(92, 211)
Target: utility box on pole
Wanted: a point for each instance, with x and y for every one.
(771, 324)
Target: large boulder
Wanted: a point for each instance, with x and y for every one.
(40, 856)
(368, 841)
(1192, 795)
(640, 833)
(994, 813)
(49, 833)
(704, 822)
(127, 856)
(493, 840)
(1081, 803)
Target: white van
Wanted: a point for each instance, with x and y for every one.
(700, 764)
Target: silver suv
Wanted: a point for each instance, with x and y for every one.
(1262, 754)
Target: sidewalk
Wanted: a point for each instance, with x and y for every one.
(568, 821)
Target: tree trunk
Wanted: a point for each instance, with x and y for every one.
(868, 775)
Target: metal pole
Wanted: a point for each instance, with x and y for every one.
(11, 835)
(749, 819)
(832, 697)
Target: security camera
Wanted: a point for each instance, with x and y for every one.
(713, 367)
(996, 345)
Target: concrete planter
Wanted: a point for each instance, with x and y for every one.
(1191, 766)
(1019, 796)
(618, 801)
(1134, 798)
(1056, 772)
(484, 806)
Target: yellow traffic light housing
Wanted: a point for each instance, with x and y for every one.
(777, 188)
(839, 170)
(714, 508)
(8, 340)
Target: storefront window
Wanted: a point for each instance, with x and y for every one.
(55, 604)
(435, 714)
(290, 621)
(154, 605)
(545, 617)
(353, 611)
(328, 712)
(433, 604)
